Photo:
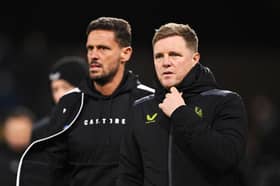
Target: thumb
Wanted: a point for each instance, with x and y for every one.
(173, 89)
(160, 105)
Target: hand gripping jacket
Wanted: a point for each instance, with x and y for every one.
(202, 143)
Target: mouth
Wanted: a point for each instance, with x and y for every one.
(167, 73)
(95, 66)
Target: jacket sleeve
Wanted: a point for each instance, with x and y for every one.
(219, 145)
(63, 114)
(58, 156)
(131, 170)
(43, 164)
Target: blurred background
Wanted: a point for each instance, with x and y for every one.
(238, 40)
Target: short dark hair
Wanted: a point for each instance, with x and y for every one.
(20, 111)
(120, 27)
(175, 29)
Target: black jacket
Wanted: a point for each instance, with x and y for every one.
(9, 159)
(39, 127)
(201, 144)
(82, 146)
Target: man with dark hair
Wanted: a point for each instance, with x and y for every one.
(82, 147)
(190, 132)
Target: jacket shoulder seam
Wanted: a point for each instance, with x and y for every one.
(145, 88)
(143, 99)
(217, 92)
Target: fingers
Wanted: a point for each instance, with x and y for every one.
(174, 90)
(167, 95)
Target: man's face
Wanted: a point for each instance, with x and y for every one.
(105, 56)
(17, 132)
(59, 88)
(173, 60)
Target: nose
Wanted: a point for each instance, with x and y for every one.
(166, 62)
(93, 54)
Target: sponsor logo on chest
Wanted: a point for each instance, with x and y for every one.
(105, 121)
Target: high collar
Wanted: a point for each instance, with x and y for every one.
(129, 81)
(199, 79)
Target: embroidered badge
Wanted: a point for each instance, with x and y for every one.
(198, 111)
(151, 119)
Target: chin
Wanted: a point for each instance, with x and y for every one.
(167, 85)
(95, 76)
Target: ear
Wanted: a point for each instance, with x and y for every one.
(126, 54)
(195, 58)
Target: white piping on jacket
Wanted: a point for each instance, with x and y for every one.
(47, 138)
(144, 87)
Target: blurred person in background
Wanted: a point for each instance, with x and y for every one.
(65, 75)
(17, 129)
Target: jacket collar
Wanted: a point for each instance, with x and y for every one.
(199, 79)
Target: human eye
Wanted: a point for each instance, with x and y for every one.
(158, 56)
(103, 47)
(89, 48)
(174, 55)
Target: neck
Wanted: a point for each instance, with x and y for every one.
(108, 88)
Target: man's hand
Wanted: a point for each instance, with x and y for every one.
(172, 101)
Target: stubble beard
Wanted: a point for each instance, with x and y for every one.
(105, 77)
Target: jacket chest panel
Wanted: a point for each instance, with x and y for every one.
(99, 129)
(203, 106)
(155, 125)
(105, 113)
